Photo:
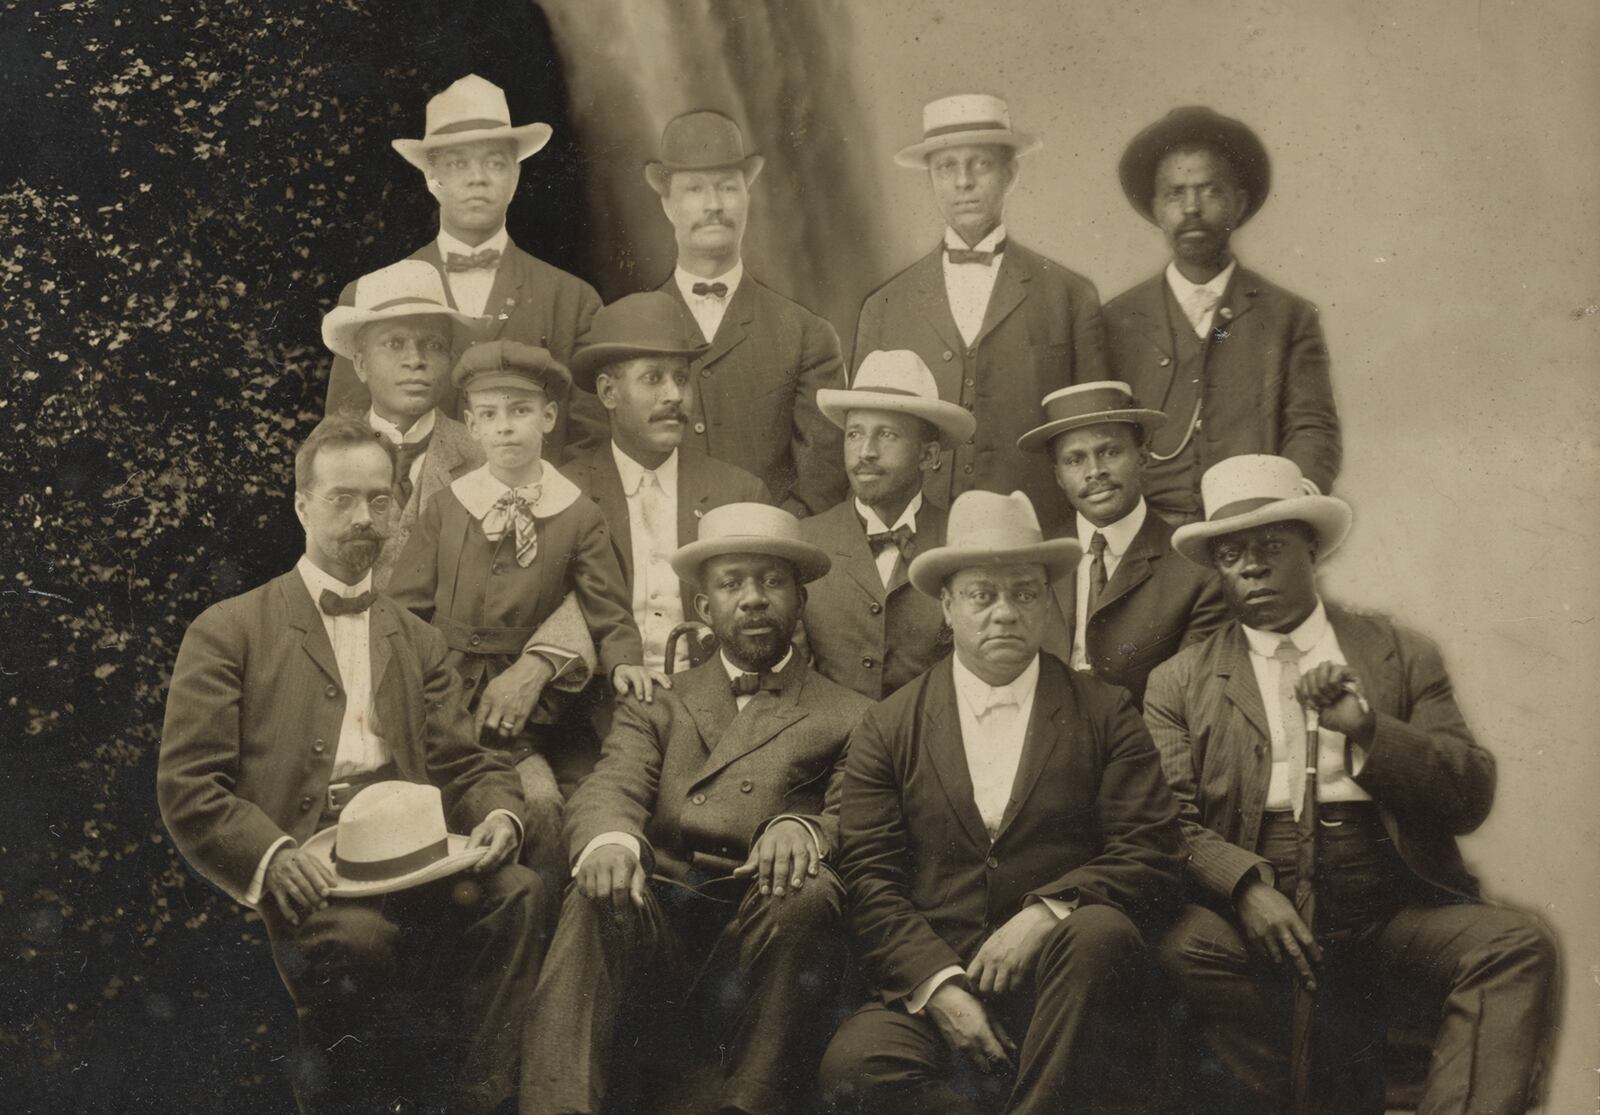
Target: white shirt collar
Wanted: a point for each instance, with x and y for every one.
(319, 580)
(479, 490)
(908, 517)
(980, 696)
(420, 429)
(732, 277)
(1183, 289)
(734, 671)
(952, 239)
(497, 242)
(1304, 637)
(632, 472)
(1119, 535)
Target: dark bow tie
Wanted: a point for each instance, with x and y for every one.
(486, 260)
(335, 605)
(962, 255)
(748, 685)
(902, 538)
(715, 290)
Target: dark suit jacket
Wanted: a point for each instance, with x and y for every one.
(1090, 817)
(1429, 777)
(692, 776)
(703, 483)
(860, 635)
(451, 452)
(253, 715)
(756, 396)
(531, 302)
(1155, 603)
(1266, 380)
(1042, 331)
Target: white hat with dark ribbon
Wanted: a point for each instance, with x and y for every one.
(1255, 489)
(469, 110)
(391, 836)
(961, 120)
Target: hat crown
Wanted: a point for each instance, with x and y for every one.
(471, 100)
(896, 372)
(702, 138)
(410, 280)
(1242, 483)
(1097, 397)
(748, 520)
(648, 320)
(388, 821)
(964, 112)
(504, 363)
(981, 520)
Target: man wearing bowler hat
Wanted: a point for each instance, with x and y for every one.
(1323, 773)
(766, 357)
(866, 626)
(286, 704)
(1130, 603)
(1000, 326)
(651, 488)
(471, 157)
(1006, 840)
(1236, 363)
(702, 848)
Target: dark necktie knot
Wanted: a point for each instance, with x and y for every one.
(486, 260)
(967, 255)
(748, 685)
(1097, 546)
(902, 538)
(406, 454)
(1097, 570)
(335, 605)
(714, 290)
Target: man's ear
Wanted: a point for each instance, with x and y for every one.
(605, 389)
(301, 499)
(702, 608)
(551, 412)
(931, 451)
(359, 362)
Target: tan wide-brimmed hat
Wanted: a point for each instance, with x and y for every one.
(700, 140)
(987, 528)
(391, 836)
(1255, 489)
(410, 288)
(467, 111)
(1195, 124)
(1088, 404)
(897, 380)
(966, 118)
(649, 324)
(750, 528)
(491, 364)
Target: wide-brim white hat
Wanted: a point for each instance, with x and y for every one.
(987, 528)
(899, 381)
(750, 528)
(966, 118)
(469, 110)
(1255, 489)
(410, 288)
(1088, 404)
(391, 836)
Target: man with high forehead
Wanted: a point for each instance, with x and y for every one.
(1000, 326)
(1323, 850)
(1237, 364)
(702, 849)
(1007, 840)
(866, 626)
(471, 158)
(767, 357)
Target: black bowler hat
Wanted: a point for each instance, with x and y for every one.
(1195, 124)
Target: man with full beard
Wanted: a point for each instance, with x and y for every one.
(701, 849)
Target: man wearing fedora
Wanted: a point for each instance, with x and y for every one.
(287, 702)
(471, 158)
(652, 489)
(1006, 837)
(1323, 846)
(702, 848)
(766, 356)
(1000, 326)
(866, 626)
(1130, 603)
(1236, 363)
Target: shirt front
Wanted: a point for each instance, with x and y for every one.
(969, 285)
(994, 726)
(1317, 643)
(652, 496)
(1119, 536)
(1199, 300)
(470, 289)
(708, 309)
(391, 433)
(887, 558)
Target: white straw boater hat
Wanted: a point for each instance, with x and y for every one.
(749, 528)
(469, 110)
(410, 288)
(1088, 404)
(1253, 490)
(965, 118)
(391, 836)
(898, 380)
(987, 528)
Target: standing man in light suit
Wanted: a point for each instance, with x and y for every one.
(1000, 326)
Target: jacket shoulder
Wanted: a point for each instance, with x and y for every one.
(1138, 298)
(1270, 294)
(770, 301)
(1043, 267)
(549, 273)
(724, 480)
(838, 701)
(906, 278)
(1191, 662)
(829, 525)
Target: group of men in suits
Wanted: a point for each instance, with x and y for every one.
(1032, 753)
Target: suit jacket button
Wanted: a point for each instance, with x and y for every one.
(746, 786)
(332, 691)
(992, 863)
(305, 805)
(868, 662)
(967, 469)
(948, 355)
(1165, 360)
(475, 640)
(699, 427)
(495, 568)
(319, 747)
(699, 799)
(470, 682)
(969, 383)
(705, 373)
(874, 607)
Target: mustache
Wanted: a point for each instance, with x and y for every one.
(362, 534)
(713, 220)
(676, 413)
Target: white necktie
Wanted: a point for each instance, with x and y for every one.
(1198, 306)
(1293, 720)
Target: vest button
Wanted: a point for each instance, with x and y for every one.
(470, 682)
(319, 747)
(967, 469)
(970, 382)
(699, 799)
(305, 805)
(332, 691)
(495, 568)
(874, 607)
(992, 863)
(699, 427)
(746, 786)
(948, 355)
(705, 373)
(868, 662)
(475, 640)
(1165, 360)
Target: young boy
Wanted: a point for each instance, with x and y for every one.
(492, 556)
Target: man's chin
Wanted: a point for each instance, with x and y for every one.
(359, 556)
(760, 652)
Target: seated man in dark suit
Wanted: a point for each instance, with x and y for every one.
(866, 626)
(702, 842)
(1324, 771)
(1006, 837)
(1131, 603)
(284, 703)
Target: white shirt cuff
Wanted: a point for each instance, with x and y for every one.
(516, 823)
(816, 838)
(562, 661)
(920, 995)
(1057, 907)
(626, 840)
(252, 896)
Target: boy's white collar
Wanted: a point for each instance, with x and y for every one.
(479, 489)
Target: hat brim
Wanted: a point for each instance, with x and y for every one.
(810, 562)
(342, 324)
(659, 174)
(588, 362)
(529, 138)
(954, 423)
(930, 570)
(1243, 148)
(1329, 516)
(915, 157)
(458, 857)
(1038, 439)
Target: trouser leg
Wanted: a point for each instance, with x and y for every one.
(883, 1061)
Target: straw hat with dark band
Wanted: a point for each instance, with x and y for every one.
(750, 528)
(1088, 404)
(987, 528)
(1255, 489)
(470, 110)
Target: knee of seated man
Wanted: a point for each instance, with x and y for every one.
(813, 910)
(1094, 936)
(1517, 941)
(362, 949)
(1199, 941)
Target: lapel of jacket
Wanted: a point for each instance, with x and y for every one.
(1010, 288)
(1237, 300)
(696, 490)
(303, 614)
(1147, 304)
(506, 290)
(847, 542)
(1134, 568)
(446, 453)
(385, 626)
(429, 252)
(941, 737)
(1064, 589)
(1233, 663)
(928, 534)
(1047, 726)
(736, 320)
(936, 301)
(1372, 656)
(760, 721)
(604, 485)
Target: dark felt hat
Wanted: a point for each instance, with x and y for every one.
(648, 324)
(1195, 124)
(511, 364)
(700, 140)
